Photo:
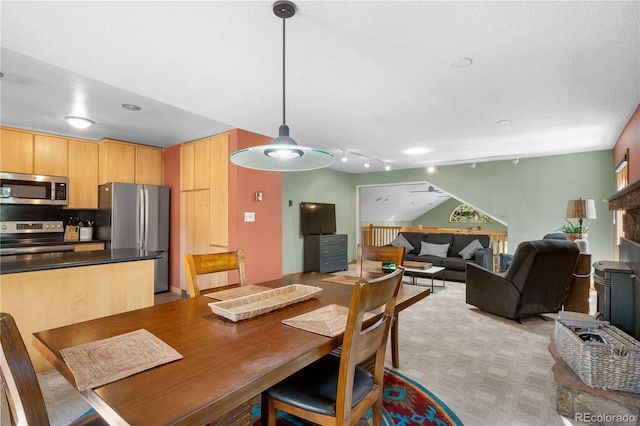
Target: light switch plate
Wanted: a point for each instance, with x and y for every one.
(249, 216)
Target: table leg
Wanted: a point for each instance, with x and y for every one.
(395, 354)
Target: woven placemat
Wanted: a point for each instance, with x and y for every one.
(341, 279)
(232, 293)
(104, 361)
(330, 320)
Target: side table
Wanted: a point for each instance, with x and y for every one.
(578, 298)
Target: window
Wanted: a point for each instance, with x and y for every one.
(464, 213)
(622, 179)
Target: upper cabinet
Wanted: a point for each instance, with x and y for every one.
(50, 155)
(117, 162)
(195, 165)
(32, 153)
(16, 152)
(149, 165)
(83, 174)
(130, 163)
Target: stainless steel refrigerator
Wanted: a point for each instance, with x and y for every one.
(136, 216)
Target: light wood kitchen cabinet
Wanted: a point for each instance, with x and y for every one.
(32, 153)
(130, 163)
(194, 226)
(40, 300)
(50, 155)
(204, 203)
(195, 165)
(149, 165)
(88, 246)
(117, 162)
(219, 191)
(83, 174)
(16, 151)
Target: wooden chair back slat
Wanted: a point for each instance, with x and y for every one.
(201, 264)
(369, 259)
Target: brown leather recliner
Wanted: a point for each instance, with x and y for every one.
(536, 282)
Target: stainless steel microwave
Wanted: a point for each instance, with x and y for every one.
(18, 188)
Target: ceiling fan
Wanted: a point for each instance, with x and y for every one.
(430, 189)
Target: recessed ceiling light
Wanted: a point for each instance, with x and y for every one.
(79, 122)
(130, 107)
(503, 122)
(461, 63)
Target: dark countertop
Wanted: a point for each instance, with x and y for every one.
(71, 259)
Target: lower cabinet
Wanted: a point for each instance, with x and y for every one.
(40, 300)
(325, 253)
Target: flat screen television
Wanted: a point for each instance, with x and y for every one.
(317, 218)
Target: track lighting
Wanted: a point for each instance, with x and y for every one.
(431, 168)
(473, 165)
(386, 166)
(367, 165)
(344, 156)
(516, 161)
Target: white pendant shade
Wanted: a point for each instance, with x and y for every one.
(257, 157)
(283, 154)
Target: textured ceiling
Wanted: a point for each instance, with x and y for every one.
(373, 78)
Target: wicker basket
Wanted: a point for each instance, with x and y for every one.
(245, 307)
(614, 365)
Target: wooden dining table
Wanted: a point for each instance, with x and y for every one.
(224, 364)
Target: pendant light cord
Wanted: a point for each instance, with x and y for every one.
(284, 19)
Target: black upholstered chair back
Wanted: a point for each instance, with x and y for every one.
(542, 271)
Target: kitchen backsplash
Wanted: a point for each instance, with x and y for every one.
(34, 212)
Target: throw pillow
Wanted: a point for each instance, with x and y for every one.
(438, 250)
(470, 250)
(400, 240)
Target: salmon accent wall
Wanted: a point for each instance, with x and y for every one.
(172, 180)
(630, 138)
(261, 240)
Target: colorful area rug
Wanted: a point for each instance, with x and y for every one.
(405, 403)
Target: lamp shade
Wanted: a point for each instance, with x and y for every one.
(581, 209)
(291, 158)
(283, 154)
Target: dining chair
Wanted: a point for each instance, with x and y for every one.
(19, 380)
(200, 264)
(369, 259)
(335, 390)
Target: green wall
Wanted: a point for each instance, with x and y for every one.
(321, 186)
(439, 218)
(530, 198)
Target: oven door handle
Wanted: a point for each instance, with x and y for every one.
(36, 249)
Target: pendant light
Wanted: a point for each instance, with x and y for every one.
(283, 154)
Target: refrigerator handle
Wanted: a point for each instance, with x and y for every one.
(145, 241)
(141, 214)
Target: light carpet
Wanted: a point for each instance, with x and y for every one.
(488, 370)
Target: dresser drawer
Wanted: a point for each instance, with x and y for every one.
(334, 263)
(328, 251)
(330, 240)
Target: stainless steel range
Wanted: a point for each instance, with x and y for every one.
(25, 237)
